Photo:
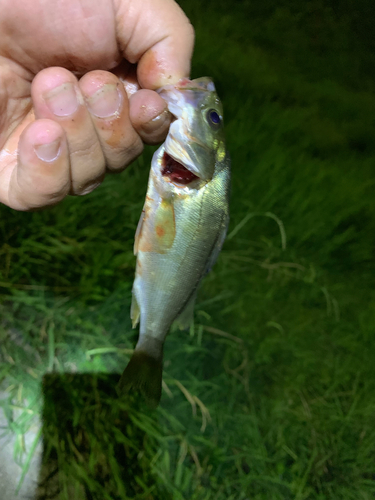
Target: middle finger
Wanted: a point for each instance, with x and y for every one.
(108, 105)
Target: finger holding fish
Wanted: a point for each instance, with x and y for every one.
(149, 116)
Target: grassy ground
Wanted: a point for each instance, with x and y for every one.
(272, 394)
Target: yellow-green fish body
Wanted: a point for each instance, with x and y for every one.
(182, 228)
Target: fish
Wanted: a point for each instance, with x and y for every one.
(182, 227)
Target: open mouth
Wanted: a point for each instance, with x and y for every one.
(175, 171)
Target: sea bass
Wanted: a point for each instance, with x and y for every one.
(182, 227)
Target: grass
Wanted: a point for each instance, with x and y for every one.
(271, 394)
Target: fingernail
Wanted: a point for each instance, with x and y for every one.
(89, 188)
(48, 152)
(62, 100)
(106, 101)
(157, 122)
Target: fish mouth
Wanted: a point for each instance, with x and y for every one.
(175, 171)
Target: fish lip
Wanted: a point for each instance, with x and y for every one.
(204, 83)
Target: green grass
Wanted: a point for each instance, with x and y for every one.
(271, 395)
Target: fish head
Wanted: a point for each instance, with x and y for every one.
(196, 136)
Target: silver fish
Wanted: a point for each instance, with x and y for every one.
(182, 227)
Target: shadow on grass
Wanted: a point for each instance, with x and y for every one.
(96, 445)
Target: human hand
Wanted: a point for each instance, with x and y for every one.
(59, 135)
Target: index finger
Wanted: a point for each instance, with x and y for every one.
(157, 35)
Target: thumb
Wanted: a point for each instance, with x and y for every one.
(157, 36)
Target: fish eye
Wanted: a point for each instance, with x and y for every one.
(213, 119)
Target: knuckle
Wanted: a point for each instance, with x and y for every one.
(121, 156)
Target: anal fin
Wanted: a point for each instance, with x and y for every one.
(186, 317)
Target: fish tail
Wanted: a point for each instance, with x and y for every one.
(144, 370)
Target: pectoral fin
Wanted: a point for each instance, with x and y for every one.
(138, 233)
(165, 227)
(158, 230)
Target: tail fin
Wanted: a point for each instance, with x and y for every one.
(144, 374)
